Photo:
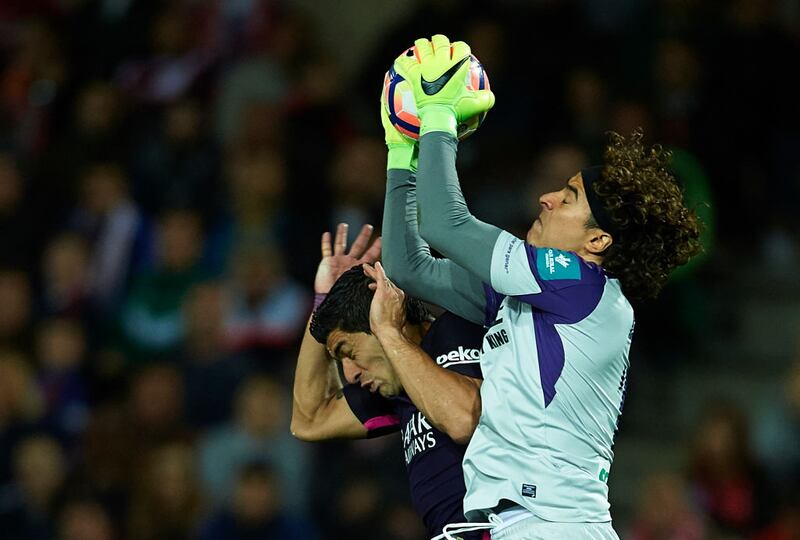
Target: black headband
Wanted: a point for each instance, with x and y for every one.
(590, 175)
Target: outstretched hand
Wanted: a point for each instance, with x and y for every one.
(336, 260)
(388, 308)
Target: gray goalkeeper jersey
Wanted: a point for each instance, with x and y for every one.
(555, 359)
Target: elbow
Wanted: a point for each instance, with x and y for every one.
(434, 233)
(461, 428)
(302, 430)
(401, 274)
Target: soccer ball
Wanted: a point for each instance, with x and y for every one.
(398, 98)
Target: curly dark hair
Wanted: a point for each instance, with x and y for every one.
(346, 307)
(656, 232)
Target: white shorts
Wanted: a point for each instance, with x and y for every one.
(535, 529)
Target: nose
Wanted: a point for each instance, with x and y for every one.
(548, 201)
(352, 373)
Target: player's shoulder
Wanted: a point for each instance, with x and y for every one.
(451, 340)
(565, 268)
(449, 327)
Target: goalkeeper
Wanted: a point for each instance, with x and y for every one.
(557, 305)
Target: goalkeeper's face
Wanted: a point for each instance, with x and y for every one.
(562, 221)
(364, 362)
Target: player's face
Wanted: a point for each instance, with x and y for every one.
(562, 221)
(364, 362)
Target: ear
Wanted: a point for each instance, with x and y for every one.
(598, 242)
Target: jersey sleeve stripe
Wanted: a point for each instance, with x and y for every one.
(379, 422)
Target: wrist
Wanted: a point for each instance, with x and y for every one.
(401, 156)
(438, 117)
(388, 335)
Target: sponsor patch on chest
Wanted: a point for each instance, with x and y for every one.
(458, 356)
(418, 436)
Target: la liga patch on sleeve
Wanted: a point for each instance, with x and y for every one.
(556, 264)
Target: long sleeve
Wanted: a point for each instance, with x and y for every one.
(444, 219)
(409, 262)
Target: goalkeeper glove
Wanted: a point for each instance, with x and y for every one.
(403, 151)
(437, 72)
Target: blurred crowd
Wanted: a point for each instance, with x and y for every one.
(167, 167)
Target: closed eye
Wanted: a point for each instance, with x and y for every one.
(574, 190)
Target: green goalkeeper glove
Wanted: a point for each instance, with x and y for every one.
(437, 74)
(403, 151)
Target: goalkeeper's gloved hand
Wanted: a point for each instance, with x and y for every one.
(437, 74)
(403, 151)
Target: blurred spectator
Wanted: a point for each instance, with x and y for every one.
(155, 406)
(256, 512)
(108, 461)
(177, 165)
(27, 506)
(21, 405)
(776, 424)
(257, 212)
(586, 97)
(257, 82)
(786, 525)
(176, 63)
(113, 226)
(151, 318)
(357, 511)
(32, 79)
(85, 519)
(65, 276)
(357, 193)
(95, 134)
(20, 234)
(727, 482)
(211, 373)
(677, 90)
(15, 317)
(61, 352)
(260, 431)
(665, 511)
(167, 500)
(267, 308)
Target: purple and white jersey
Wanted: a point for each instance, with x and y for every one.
(555, 359)
(433, 460)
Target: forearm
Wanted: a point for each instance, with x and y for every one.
(444, 219)
(450, 401)
(409, 262)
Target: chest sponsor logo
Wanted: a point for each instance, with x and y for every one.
(418, 436)
(459, 356)
(555, 264)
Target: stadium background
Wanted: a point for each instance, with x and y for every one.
(166, 169)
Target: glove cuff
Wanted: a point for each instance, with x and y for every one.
(438, 118)
(402, 156)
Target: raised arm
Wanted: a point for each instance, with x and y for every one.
(445, 221)
(449, 400)
(319, 410)
(406, 256)
(437, 71)
(409, 262)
